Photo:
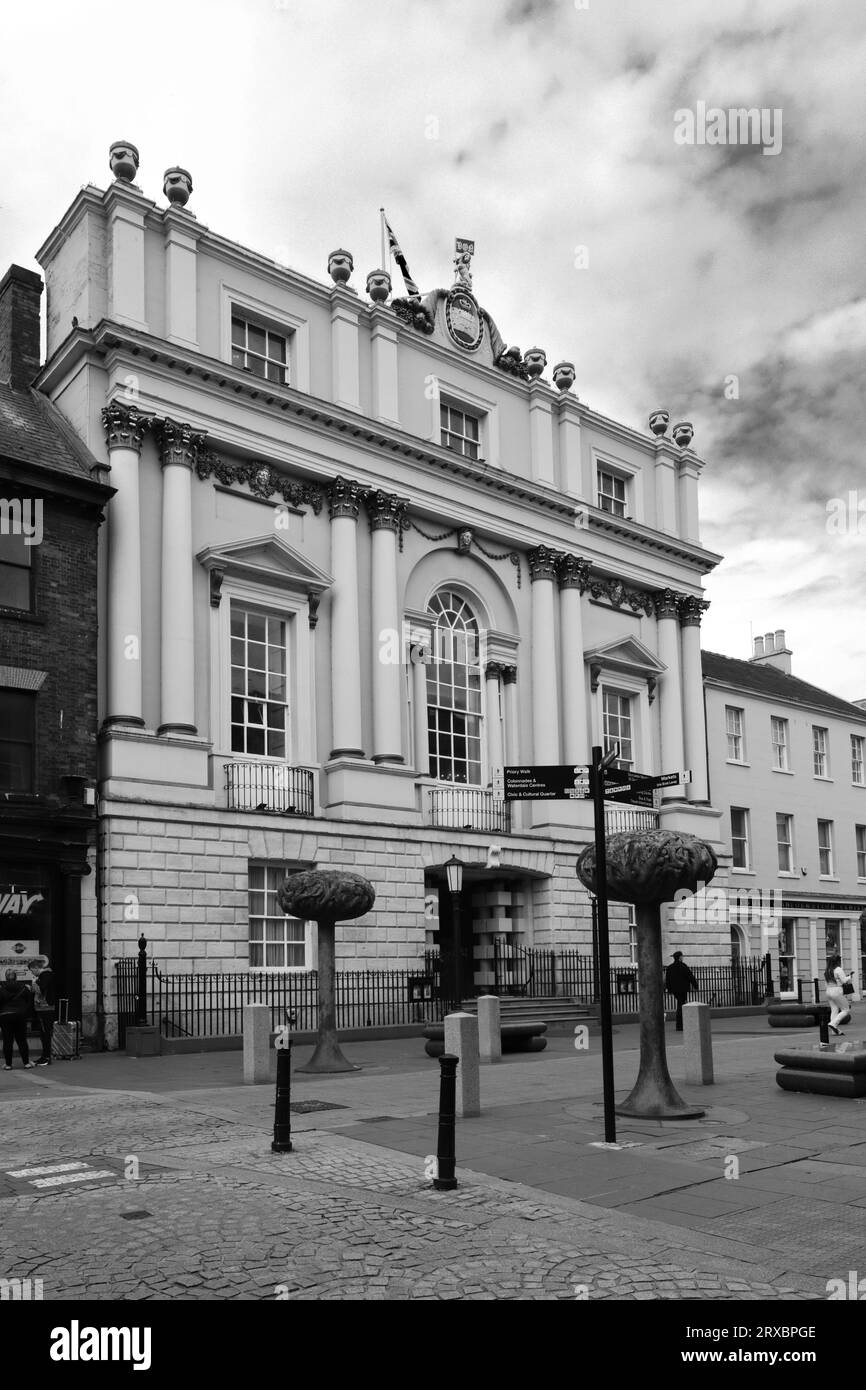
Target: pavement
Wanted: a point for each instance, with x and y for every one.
(153, 1178)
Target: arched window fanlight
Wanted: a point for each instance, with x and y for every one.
(454, 718)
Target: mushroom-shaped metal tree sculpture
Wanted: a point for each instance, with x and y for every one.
(647, 868)
(326, 897)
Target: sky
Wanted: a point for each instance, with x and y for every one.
(714, 280)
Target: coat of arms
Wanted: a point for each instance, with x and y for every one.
(463, 319)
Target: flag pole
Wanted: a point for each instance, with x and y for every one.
(386, 255)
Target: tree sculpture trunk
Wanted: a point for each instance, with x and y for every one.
(653, 1094)
(327, 896)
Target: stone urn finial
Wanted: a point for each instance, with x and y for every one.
(648, 868)
(378, 286)
(340, 266)
(563, 375)
(123, 160)
(534, 362)
(177, 186)
(683, 433)
(326, 896)
(659, 421)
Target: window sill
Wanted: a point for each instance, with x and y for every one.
(787, 873)
(20, 615)
(860, 785)
(828, 878)
(785, 771)
(819, 777)
(736, 762)
(749, 873)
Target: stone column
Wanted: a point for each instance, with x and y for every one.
(344, 500)
(418, 641)
(182, 234)
(126, 208)
(541, 400)
(573, 579)
(693, 698)
(178, 445)
(383, 348)
(492, 672)
(386, 512)
(689, 475)
(512, 739)
(545, 683)
(666, 486)
(570, 468)
(671, 701)
(124, 428)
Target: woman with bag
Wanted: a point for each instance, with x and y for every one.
(838, 986)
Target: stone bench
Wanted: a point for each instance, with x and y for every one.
(516, 1037)
(831, 1069)
(790, 1014)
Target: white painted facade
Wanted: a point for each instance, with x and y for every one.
(330, 507)
(787, 769)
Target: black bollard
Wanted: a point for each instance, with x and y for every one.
(816, 985)
(446, 1181)
(283, 1113)
(823, 1015)
(799, 991)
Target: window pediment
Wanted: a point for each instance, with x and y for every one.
(266, 559)
(627, 655)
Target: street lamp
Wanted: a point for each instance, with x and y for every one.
(454, 875)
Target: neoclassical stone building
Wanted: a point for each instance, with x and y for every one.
(360, 554)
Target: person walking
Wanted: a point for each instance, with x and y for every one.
(16, 1006)
(836, 978)
(678, 981)
(43, 1004)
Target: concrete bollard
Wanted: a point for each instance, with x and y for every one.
(257, 1043)
(489, 1028)
(698, 1044)
(461, 1041)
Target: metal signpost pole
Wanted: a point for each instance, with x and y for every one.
(597, 789)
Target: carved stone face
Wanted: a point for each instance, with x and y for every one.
(378, 286)
(659, 421)
(177, 186)
(464, 542)
(683, 434)
(340, 266)
(563, 375)
(535, 361)
(123, 159)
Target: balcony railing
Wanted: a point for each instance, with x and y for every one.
(272, 788)
(469, 808)
(618, 818)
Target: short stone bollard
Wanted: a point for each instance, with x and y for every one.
(489, 1028)
(257, 1043)
(461, 1041)
(698, 1044)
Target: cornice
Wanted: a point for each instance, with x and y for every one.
(782, 701)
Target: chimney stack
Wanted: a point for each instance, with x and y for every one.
(770, 650)
(20, 294)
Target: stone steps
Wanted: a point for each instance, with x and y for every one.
(560, 1015)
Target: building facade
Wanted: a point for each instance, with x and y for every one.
(52, 501)
(360, 555)
(787, 769)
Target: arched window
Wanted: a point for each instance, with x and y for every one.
(454, 717)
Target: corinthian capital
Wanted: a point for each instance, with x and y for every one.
(543, 563)
(344, 498)
(386, 510)
(179, 444)
(691, 609)
(667, 603)
(573, 573)
(125, 426)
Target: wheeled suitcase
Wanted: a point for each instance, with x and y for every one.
(65, 1036)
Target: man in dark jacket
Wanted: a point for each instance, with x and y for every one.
(678, 981)
(16, 1006)
(44, 1002)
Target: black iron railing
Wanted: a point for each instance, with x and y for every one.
(469, 808)
(211, 1005)
(275, 788)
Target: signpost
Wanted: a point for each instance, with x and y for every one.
(599, 782)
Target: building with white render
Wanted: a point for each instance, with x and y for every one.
(359, 556)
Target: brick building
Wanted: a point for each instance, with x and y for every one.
(52, 501)
(360, 555)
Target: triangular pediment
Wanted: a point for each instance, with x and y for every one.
(626, 654)
(269, 559)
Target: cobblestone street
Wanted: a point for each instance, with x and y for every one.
(113, 1194)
